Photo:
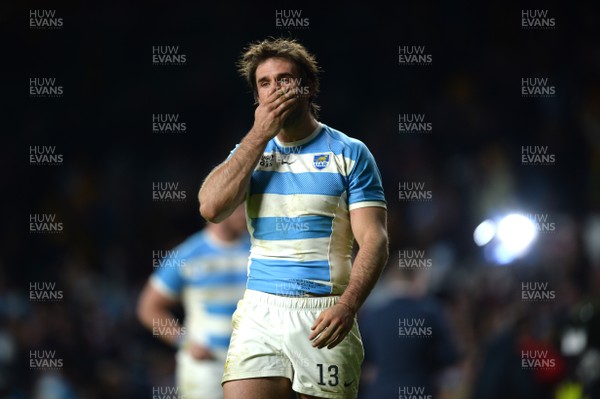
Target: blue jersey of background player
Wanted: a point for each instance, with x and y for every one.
(207, 274)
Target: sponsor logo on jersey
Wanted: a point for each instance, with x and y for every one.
(321, 161)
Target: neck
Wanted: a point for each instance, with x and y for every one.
(297, 129)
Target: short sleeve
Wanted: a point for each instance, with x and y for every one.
(365, 187)
(168, 278)
(232, 151)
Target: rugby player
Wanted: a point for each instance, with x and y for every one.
(207, 273)
(309, 191)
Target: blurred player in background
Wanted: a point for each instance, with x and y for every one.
(408, 341)
(207, 273)
(309, 191)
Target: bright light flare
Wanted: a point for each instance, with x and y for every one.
(505, 239)
(516, 233)
(484, 233)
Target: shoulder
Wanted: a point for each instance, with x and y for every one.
(342, 141)
(195, 245)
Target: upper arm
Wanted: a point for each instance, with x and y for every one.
(369, 225)
(366, 199)
(153, 297)
(365, 188)
(166, 283)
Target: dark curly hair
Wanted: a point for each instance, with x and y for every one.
(260, 51)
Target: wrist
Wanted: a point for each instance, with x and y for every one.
(349, 307)
(259, 137)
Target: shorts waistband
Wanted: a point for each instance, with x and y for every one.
(291, 302)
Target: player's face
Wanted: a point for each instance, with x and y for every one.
(279, 73)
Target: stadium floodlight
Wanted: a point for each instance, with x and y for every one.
(485, 232)
(516, 232)
(506, 239)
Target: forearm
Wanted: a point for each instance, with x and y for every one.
(160, 322)
(366, 269)
(225, 187)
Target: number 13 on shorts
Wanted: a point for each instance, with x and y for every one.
(333, 372)
(328, 375)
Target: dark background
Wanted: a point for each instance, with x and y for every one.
(103, 190)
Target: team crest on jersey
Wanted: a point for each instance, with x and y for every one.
(321, 161)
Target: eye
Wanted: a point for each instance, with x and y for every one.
(264, 83)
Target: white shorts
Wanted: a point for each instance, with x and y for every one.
(270, 339)
(198, 379)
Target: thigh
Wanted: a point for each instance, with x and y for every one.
(324, 373)
(255, 346)
(258, 388)
(199, 379)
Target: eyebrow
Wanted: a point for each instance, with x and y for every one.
(279, 76)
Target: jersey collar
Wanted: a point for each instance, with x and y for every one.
(305, 140)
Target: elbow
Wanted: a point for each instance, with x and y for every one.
(209, 213)
(383, 246)
(141, 309)
(377, 246)
(386, 255)
(208, 209)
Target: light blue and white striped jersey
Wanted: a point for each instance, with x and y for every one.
(209, 277)
(298, 212)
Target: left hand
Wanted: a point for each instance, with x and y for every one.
(200, 352)
(332, 326)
